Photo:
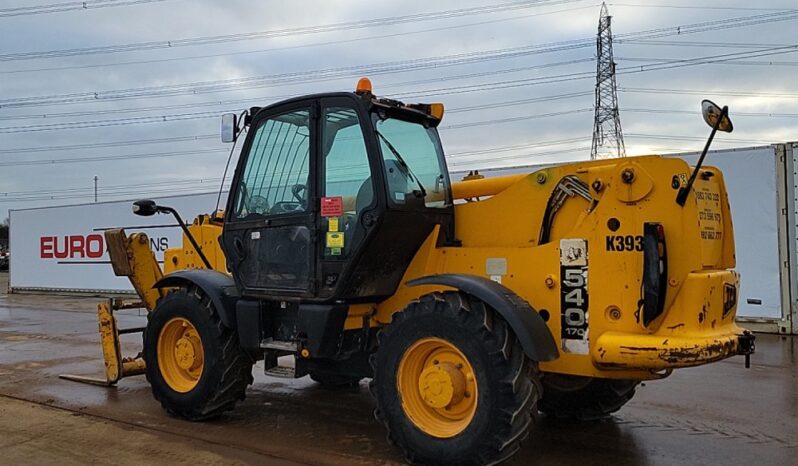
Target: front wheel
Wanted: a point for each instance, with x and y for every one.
(195, 366)
(451, 382)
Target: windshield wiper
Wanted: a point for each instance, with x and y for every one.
(404, 164)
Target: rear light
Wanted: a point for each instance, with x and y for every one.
(729, 298)
(655, 271)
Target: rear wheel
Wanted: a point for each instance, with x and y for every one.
(194, 363)
(451, 382)
(584, 398)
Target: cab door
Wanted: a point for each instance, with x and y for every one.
(349, 208)
(269, 236)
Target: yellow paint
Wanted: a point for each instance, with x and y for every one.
(639, 188)
(180, 355)
(333, 223)
(697, 268)
(438, 387)
(359, 315)
(206, 232)
(109, 341)
(132, 257)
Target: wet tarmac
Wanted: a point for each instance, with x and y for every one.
(716, 414)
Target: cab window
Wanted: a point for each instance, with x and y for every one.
(413, 159)
(347, 178)
(275, 177)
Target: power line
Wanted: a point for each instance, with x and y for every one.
(215, 114)
(733, 62)
(397, 66)
(136, 192)
(696, 138)
(102, 158)
(69, 6)
(116, 158)
(296, 31)
(509, 103)
(135, 142)
(120, 190)
(691, 112)
(297, 77)
(112, 188)
(436, 30)
(734, 93)
(174, 185)
(515, 119)
(696, 7)
(666, 64)
(714, 25)
(681, 43)
(272, 98)
(114, 122)
(526, 156)
(389, 67)
(679, 63)
(493, 150)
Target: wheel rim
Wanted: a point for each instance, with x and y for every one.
(180, 355)
(438, 387)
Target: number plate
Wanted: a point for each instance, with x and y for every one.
(573, 296)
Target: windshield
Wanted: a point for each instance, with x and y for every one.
(413, 160)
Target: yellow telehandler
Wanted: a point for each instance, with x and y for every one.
(469, 305)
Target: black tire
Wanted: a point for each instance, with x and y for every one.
(584, 398)
(226, 369)
(335, 381)
(507, 381)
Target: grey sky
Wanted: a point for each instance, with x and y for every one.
(562, 134)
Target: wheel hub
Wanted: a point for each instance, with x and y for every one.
(180, 354)
(184, 353)
(442, 385)
(438, 387)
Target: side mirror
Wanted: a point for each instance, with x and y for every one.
(229, 127)
(145, 208)
(712, 112)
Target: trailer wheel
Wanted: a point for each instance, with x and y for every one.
(584, 398)
(451, 382)
(195, 366)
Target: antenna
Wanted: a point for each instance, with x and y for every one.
(607, 134)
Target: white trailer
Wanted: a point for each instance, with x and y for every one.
(63, 248)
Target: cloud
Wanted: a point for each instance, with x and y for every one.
(178, 19)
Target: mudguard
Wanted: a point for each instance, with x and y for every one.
(219, 287)
(529, 327)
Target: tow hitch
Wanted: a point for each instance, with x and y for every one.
(746, 347)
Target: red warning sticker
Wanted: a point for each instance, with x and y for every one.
(332, 206)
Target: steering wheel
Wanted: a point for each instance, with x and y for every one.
(298, 191)
(286, 207)
(258, 205)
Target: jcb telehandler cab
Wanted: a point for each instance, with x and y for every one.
(470, 306)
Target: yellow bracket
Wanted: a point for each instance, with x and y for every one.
(116, 367)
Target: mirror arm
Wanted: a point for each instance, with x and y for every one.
(681, 198)
(164, 209)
